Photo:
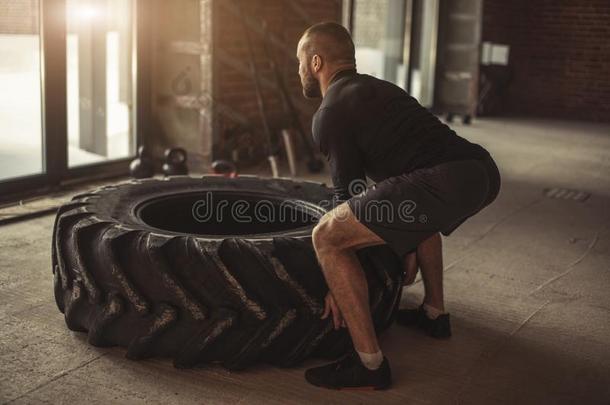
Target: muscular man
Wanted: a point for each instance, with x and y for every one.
(428, 180)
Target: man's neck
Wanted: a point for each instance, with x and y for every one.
(326, 81)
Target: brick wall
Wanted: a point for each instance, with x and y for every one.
(18, 16)
(234, 88)
(559, 56)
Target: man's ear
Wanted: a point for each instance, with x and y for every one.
(316, 63)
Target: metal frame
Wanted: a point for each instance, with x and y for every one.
(348, 10)
(54, 109)
(410, 47)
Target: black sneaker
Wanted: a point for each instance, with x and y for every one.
(439, 328)
(350, 374)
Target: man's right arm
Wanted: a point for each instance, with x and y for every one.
(337, 142)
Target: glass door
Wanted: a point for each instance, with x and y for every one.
(21, 142)
(381, 30)
(396, 41)
(424, 33)
(69, 80)
(99, 80)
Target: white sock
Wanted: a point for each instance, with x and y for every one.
(372, 361)
(432, 312)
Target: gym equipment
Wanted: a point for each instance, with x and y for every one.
(175, 162)
(224, 168)
(142, 166)
(142, 265)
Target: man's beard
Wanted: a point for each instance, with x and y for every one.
(311, 86)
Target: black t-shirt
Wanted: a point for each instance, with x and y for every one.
(370, 127)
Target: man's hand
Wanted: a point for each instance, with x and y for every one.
(331, 307)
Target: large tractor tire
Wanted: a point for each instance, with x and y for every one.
(142, 265)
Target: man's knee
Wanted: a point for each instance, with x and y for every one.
(321, 235)
(327, 234)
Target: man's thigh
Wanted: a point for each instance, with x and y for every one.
(405, 210)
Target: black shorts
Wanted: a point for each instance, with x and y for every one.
(407, 209)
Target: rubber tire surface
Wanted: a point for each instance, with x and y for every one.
(234, 300)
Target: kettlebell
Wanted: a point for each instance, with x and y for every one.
(224, 168)
(175, 162)
(142, 166)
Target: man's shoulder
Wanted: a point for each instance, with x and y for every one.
(341, 99)
(327, 116)
(360, 90)
(350, 84)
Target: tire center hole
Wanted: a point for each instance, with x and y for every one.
(227, 213)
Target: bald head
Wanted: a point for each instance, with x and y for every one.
(324, 50)
(331, 41)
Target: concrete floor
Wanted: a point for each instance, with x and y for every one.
(527, 284)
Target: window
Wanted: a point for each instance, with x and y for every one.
(99, 68)
(21, 146)
(69, 80)
(396, 41)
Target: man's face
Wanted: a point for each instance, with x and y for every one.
(311, 85)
